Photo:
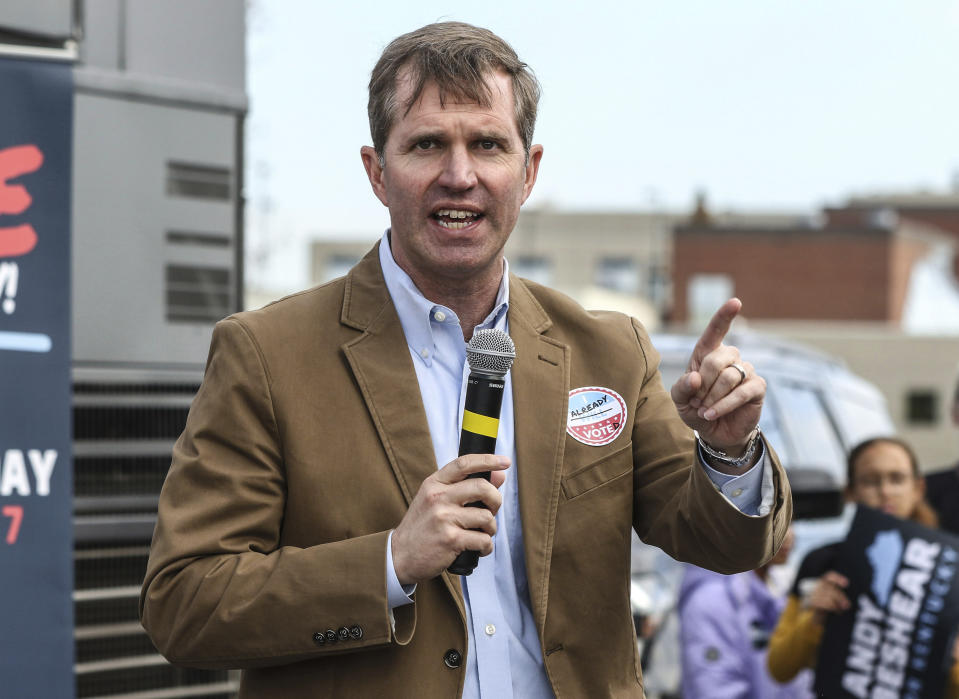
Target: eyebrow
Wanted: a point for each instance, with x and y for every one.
(478, 135)
(418, 136)
(491, 134)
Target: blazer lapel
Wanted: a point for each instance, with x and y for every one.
(386, 378)
(540, 377)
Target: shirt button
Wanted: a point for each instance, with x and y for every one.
(439, 316)
(736, 493)
(452, 658)
(490, 629)
(424, 353)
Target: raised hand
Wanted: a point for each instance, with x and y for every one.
(720, 395)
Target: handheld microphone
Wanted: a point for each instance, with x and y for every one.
(490, 354)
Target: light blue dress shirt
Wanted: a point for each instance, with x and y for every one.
(504, 657)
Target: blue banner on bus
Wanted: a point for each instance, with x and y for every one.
(36, 535)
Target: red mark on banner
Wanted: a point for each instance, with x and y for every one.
(15, 199)
(15, 513)
(17, 240)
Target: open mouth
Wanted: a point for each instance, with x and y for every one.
(455, 219)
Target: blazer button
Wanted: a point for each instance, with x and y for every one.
(343, 633)
(331, 636)
(319, 638)
(452, 658)
(356, 631)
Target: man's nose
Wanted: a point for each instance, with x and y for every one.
(459, 171)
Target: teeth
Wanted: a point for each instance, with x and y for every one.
(455, 213)
(455, 218)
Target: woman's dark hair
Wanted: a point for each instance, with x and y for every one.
(857, 451)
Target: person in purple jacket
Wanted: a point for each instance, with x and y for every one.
(725, 625)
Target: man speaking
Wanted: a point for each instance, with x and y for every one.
(316, 500)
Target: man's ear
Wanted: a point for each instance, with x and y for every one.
(374, 171)
(532, 170)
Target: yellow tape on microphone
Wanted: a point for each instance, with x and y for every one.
(480, 424)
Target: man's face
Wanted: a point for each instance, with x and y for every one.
(454, 179)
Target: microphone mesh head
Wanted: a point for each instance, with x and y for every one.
(490, 351)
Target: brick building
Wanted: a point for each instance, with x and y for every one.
(937, 210)
(855, 265)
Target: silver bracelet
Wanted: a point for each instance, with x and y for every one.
(723, 457)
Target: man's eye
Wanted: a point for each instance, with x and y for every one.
(425, 144)
(487, 145)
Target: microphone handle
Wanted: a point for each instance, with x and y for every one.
(484, 398)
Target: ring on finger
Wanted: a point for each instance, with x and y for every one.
(742, 371)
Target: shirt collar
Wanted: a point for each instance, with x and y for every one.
(417, 313)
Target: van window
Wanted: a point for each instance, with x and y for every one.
(810, 439)
(771, 425)
(861, 420)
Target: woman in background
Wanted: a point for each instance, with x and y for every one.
(882, 473)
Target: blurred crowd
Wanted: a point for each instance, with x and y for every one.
(756, 635)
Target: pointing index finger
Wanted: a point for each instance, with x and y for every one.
(715, 332)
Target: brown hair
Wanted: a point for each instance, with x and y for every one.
(457, 57)
(923, 513)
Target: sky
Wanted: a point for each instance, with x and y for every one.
(761, 104)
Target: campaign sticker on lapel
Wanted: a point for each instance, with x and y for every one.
(596, 415)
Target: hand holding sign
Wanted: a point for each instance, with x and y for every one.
(897, 636)
(720, 396)
(828, 596)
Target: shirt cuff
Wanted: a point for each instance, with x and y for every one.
(751, 492)
(397, 594)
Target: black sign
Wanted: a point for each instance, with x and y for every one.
(36, 542)
(896, 641)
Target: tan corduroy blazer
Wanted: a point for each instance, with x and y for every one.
(308, 440)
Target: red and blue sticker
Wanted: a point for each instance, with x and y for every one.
(596, 416)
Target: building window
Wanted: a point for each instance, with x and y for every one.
(338, 265)
(922, 406)
(197, 294)
(618, 274)
(657, 286)
(705, 293)
(536, 269)
(197, 181)
(206, 240)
